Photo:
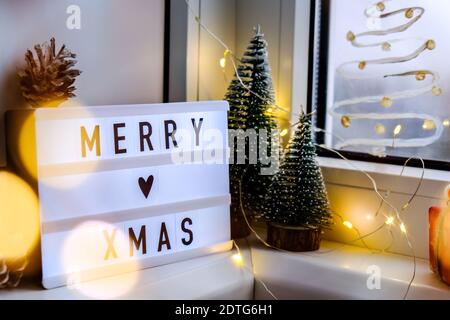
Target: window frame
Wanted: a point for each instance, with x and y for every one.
(167, 49)
(318, 83)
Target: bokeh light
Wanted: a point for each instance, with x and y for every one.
(348, 224)
(238, 260)
(84, 259)
(69, 182)
(19, 217)
(21, 145)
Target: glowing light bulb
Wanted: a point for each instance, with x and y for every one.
(270, 110)
(398, 129)
(238, 260)
(428, 125)
(403, 228)
(446, 123)
(19, 216)
(284, 132)
(390, 221)
(386, 102)
(348, 224)
(223, 63)
(380, 129)
(436, 91)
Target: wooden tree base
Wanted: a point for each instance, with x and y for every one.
(293, 238)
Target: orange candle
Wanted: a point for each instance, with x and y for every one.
(439, 233)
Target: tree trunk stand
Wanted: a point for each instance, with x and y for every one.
(293, 238)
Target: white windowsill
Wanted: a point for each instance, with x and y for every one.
(210, 277)
(341, 274)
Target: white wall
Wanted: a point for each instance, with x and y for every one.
(220, 17)
(205, 79)
(120, 48)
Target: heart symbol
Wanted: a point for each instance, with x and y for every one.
(146, 185)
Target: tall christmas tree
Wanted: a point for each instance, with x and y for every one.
(237, 97)
(250, 102)
(297, 196)
(261, 99)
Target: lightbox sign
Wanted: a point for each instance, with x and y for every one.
(123, 188)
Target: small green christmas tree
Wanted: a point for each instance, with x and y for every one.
(249, 105)
(237, 97)
(297, 196)
(261, 99)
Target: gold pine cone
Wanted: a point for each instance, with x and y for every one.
(48, 80)
(11, 272)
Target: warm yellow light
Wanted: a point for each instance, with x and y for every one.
(19, 217)
(390, 221)
(398, 129)
(23, 133)
(270, 110)
(428, 125)
(403, 228)
(24, 152)
(223, 63)
(284, 132)
(82, 261)
(436, 91)
(447, 193)
(446, 123)
(238, 260)
(386, 102)
(348, 224)
(380, 129)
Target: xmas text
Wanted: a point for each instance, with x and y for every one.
(138, 239)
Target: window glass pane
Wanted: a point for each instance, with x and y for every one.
(388, 77)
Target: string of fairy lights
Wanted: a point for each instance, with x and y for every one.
(391, 221)
(359, 70)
